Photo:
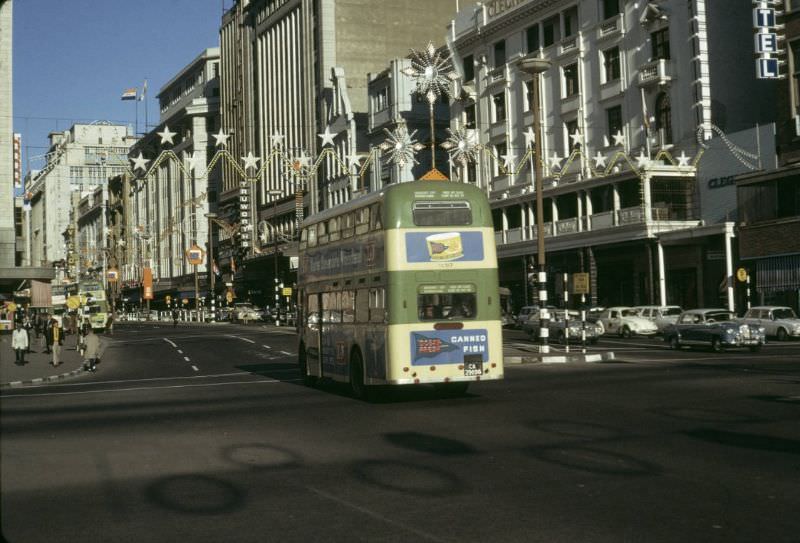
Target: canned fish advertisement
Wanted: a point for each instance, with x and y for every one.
(444, 246)
(448, 347)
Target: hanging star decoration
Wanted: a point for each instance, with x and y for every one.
(221, 137)
(401, 145)
(683, 160)
(530, 138)
(277, 139)
(619, 139)
(250, 161)
(462, 144)
(642, 161)
(327, 137)
(166, 135)
(555, 161)
(508, 160)
(193, 161)
(576, 137)
(599, 161)
(140, 163)
(432, 72)
(354, 160)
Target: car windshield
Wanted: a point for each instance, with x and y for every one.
(784, 313)
(720, 316)
(672, 311)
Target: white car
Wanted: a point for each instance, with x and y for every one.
(245, 313)
(662, 316)
(778, 321)
(625, 322)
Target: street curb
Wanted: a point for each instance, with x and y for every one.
(558, 359)
(40, 380)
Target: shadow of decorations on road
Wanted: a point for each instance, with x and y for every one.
(408, 478)
(429, 443)
(196, 495)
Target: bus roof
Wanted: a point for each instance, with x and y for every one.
(403, 191)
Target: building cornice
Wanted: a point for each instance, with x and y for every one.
(521, 14)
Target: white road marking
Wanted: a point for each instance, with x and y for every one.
(145, 380)
(242, 338)
(195, 368)
(180, 352)
(259, 381)
(287, 354)
(266, 346)
(186, 358)
(373, 514)
(171, 343)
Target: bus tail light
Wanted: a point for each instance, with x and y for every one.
(448, 326)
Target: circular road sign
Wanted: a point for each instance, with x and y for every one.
(741, 274)
(195, 255)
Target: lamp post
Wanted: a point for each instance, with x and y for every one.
(212, 290)
(537, 66)
(274, 230)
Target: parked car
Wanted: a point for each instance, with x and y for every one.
(777, 321)
(625, 322)
(661, 316)
(717, 328)
(593, 316)
(245, 312)
(557, 327)
(524, 313)
(224, 314)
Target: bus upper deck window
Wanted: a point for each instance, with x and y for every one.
(362, 221)
(376, 217)
(348, 224)
(442, 213)
(333, 229)
(312, 236)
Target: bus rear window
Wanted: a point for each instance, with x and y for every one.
(442, 213)
(440, 306)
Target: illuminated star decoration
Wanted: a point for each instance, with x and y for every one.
(250, 161)
(401, 145)
(576, 137)
(599, 161)
(555, 161)
(327, 137)
(530, 138)
(353, 160)
(140, 163)
(221, 137)
(683, 160)
(166, 136)
(277, 139)
(431, 72)
(642, 160)
(193, 161)
(508, 160)
(619, 139)
(462, 145)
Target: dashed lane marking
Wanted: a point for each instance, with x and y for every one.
(170, 342)
(266, 346)
(287, 354)
(242, 338)
(180, 352)
(195, 368)
(186, 358)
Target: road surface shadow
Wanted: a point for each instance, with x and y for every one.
(594, 460)
(408, 478)
(747, 441)
(196, 495)
(429, 443)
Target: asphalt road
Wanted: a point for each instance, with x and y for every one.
(206, 434)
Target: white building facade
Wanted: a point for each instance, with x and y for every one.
(635, 88)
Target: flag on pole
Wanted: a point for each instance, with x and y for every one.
(144, 91)
(129, 94)
(233, 265)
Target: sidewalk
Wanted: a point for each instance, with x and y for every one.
(37, 368)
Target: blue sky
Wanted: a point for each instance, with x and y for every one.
(74, 58)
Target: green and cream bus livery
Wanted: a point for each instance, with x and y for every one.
(400, 287)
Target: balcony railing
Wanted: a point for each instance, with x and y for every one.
(567, 226)
(655, 72)
(601, 220)
(630, 215)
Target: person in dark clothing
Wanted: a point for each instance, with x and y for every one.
(174, 318)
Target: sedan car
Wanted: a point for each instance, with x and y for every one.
(558, 330)
(777, 321)
(717, 328)
(661, 316)
(626, 322)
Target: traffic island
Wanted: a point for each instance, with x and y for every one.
(537, 358)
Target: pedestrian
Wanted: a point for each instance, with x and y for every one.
(19, 342)
(56, 340)
(110, 324)
(48, 336)
(26, 325)
(91, 353)
(174, 318)
(83, 331)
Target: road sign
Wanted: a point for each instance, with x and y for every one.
(185, 301)
(168, 299)
(229, 296)
(580, 283)
(287, 291)
(112, 275)
(741, 274)
(195, 255)
(74, 302)
(12, 307)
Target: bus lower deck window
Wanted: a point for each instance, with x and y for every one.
(446, 306)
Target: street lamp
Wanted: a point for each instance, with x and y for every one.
(212, 290)
(536, 66)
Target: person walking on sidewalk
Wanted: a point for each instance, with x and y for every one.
(174, 318)
(48, 336)
(56, 339)
(19, 342)
(91, 353)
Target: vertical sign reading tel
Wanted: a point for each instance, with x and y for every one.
(766, 40)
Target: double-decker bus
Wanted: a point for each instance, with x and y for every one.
(94, 305)
(400, 287)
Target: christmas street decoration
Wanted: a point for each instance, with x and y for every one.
(401, 145)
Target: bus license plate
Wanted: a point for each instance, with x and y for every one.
(473, 365)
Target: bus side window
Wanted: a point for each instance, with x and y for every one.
(322, 236)
(362, 221)
(376, 217)
(362, 305)
(348, 224)
(348, 306)
(377, 305)
(312, 310)
(333, 229)
(312, 236)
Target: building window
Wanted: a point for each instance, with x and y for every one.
(660, 44)
(469, 68)
(529, 95)
(550, 31)
(381, 99)
(500, 150)
(532, 38)
(614, 121)
(499, 53)
(499, 106)
(469, 116)
(611, 64)
(664, 118)
(795, 82)
(610, 8)
(571, 127)
(570, 80)
(570, 22)
(471, 172)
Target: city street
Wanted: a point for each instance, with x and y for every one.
(206, 434)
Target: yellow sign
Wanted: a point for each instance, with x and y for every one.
(741, 274)
(195, 255)
(580, 283)
(74, 302)
(287, 291)
(168, 299)
(185, 301)
(229, 296)
(112, 274)
(12, 307)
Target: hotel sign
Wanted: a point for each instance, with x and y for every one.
(766, 40)
(495, 8)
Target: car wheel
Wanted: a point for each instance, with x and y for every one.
(674, 343)
(716, 345)
(625, 332)
(782, 335)
(755, 348)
